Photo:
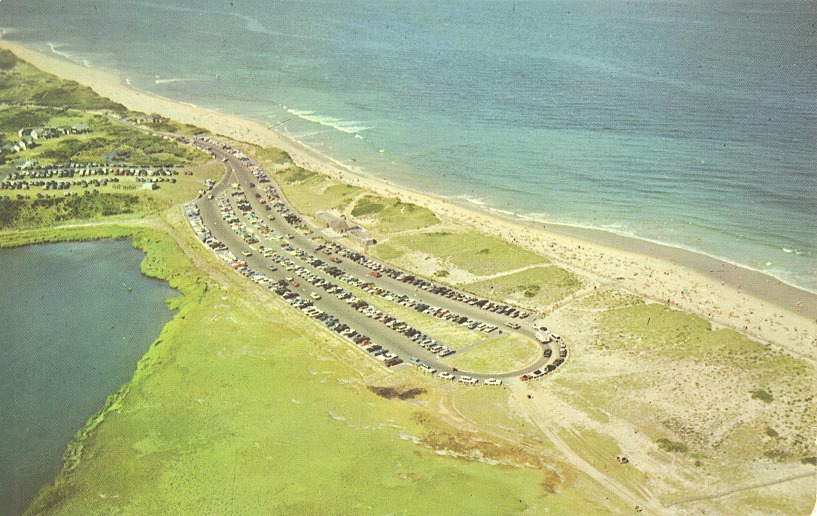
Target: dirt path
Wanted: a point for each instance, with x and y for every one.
(513, 271)
(481, 342)
(648, 503)
(727, 492)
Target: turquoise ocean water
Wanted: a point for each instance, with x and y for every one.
(72, 334)
(689, 122)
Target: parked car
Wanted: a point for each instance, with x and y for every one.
(492, 381)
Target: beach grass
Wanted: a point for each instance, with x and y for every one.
(534, 288)
(389, 215)
(606, 299)
(675, 367)
(310, 192)
(497, 354)
(22, 83)
(471, 251)
(268, 157)
(175, 128)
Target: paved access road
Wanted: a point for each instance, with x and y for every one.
(239, 173)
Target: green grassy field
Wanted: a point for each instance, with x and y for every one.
(239, 407)
(42, 212)
(534, 288)
(471, 251)
(498, 354)
(266, 157)
(310, 192)
(385, 216)
(491, 407)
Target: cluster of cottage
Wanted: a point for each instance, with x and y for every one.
(30, 136)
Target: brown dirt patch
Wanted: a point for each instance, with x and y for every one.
(391, 392)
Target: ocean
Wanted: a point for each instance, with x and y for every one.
(686, 122)
(71, 335)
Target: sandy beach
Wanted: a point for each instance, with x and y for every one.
(753, 303)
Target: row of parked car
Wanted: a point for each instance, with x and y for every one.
(407, 301)
(445, 375)
(358, 304)
(428, 286)
(548, 368)
(306, 306)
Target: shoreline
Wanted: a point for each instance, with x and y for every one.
(753, 281)
(730, 295)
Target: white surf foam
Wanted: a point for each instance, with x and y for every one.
(346, 126)
(171, 81)
(54, 49)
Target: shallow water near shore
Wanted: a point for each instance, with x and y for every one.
(681, 122)
(75, 319)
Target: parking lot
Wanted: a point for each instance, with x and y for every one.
(249, 226)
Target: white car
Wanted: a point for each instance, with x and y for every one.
(246, 253)
(492, 381)
(315, 295)
(446, 376)
(468, 380)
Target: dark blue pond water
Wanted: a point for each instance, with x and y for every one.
(74, 320)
